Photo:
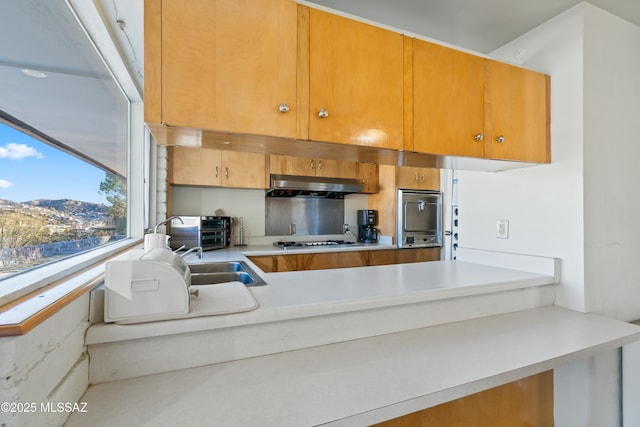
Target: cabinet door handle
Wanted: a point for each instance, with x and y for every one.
(226, 173)
(312, 165)
(478, 137)
(323, 113)
(423, 177)
(500, 138)
(283, 108)
(319, 165)
(217, 171)
(363, 180)
(417, 177)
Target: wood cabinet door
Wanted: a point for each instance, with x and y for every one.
(408, 177)
(356, 75)
(418, 255)
(383, 257)
(194, 166)
(290, 165)
(229, 64)
(265, 263)
(243, 170)
(519, 125)
(413, 178)
(525, 402)
(429, 179)
(368, 176)
(418, 178)
(336, 168)
(299, 262)
(351, 259)
(448, 101)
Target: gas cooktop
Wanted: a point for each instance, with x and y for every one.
(291, 244)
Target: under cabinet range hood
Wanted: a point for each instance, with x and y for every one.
(312, 186)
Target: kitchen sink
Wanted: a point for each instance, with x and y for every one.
(227, 271)
(218, 267)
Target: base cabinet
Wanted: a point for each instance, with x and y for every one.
(406, 256)
(526, 402)
(327, 260)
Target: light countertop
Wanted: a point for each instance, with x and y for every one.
(300, 294)
(358, 382)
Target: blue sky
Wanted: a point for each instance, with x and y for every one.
(30, 169)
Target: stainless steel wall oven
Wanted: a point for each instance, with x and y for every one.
(419, 218)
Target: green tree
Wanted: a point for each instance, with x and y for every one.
(20, 229)
(114, 189)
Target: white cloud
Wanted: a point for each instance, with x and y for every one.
(5, 184)
(15, 151)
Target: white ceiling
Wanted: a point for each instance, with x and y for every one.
(74, 101)
(36, 34)
(477, 25)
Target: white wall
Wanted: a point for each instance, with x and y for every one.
(543, 204)
(48, 364)
(582, 207)
(611, 164)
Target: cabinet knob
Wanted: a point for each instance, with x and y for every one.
(323, 113)
(500, 138)
(478, 137)
(283, 108)
(363, 180)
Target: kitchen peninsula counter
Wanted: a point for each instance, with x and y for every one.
(359, 382)
(304, 294)
(352, 346)
(311, 308)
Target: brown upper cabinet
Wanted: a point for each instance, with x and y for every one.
(448, 101)
(282, 70)
(355, 82)
(225, 65)
(216, 168)
(308, 166)
(518, 101)
(365, 173)
(413, 178)
(465, 105)
(368, 176)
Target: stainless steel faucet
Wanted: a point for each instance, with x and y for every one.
(197, 248)
(171, 218)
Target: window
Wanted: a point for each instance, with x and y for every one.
(53, 204)
(64, 140)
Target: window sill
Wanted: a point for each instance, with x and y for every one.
(51, 288)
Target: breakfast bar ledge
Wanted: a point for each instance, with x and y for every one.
(358, 382)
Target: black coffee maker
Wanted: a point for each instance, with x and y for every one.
(367, 221)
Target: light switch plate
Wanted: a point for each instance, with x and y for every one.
(502, 229)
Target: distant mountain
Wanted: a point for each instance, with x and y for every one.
(7, 203)
(72, 207)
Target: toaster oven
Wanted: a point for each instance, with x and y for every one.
(208, 232)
